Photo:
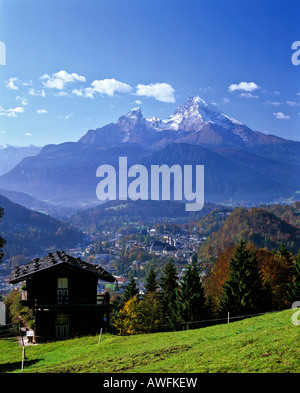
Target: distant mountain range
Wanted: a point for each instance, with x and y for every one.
(10, 156)
(56, 211)
(31, 233)
(240, 165)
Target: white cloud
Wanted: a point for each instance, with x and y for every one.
(28, 134)
(66, 117)
(244, 86)
(274, 103)
(10, 83)
(206, 89)
(281, 116)
(292, 103)
(77, 92)
(23, 100)
(12, 112)
(247, 95)
(62, 94)
(107, 87)
(226, 100)
(41, 111)
(89, 92)
(59, 79)
(160, 91)
(29, 83)
(138, 102)
(35, 92)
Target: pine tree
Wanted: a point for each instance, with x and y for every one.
(130, 291)
(210, 307)
(169, 292)
(294, 288)
(151, 281)
(286, 254)
(285, 258)
(192, 298)
(243, 289)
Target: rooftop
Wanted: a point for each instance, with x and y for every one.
(20, 273)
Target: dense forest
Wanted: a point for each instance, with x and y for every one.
(261, 227)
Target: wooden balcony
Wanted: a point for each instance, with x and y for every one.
(101, 302)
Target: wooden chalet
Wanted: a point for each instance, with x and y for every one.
(61, 294)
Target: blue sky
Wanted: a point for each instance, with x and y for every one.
(75, 65)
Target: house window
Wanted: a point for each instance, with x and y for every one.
(62, 283)
(62, 290)
(62, 325)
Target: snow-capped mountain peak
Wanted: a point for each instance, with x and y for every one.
(196, 112)
(132, 120)
(189, 117)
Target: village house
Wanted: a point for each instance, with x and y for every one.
(61, 294)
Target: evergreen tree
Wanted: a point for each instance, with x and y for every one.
(285, 259)
(169, 292)
(294, 288)
(151, 281)
(130, 291)
(210, 307)
(243, 289)
(286, 254)
(192, 298)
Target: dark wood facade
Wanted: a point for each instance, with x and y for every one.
(61, 293)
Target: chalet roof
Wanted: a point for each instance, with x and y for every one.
(20, 273)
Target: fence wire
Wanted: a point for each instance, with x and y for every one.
(10, 330)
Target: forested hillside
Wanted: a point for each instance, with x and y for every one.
(263, 228)
(28, 232)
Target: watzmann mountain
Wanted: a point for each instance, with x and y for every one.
(241, 165)
(195, 122)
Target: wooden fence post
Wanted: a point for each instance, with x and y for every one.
(100, 336)
(23, 353)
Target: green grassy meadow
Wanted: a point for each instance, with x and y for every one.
(264, 344)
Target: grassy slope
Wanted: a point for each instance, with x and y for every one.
(268, 343)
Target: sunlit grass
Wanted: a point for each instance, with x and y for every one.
(268, 343)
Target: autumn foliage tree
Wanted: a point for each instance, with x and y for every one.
(216, 278)
(278, 271)
(140, 316)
